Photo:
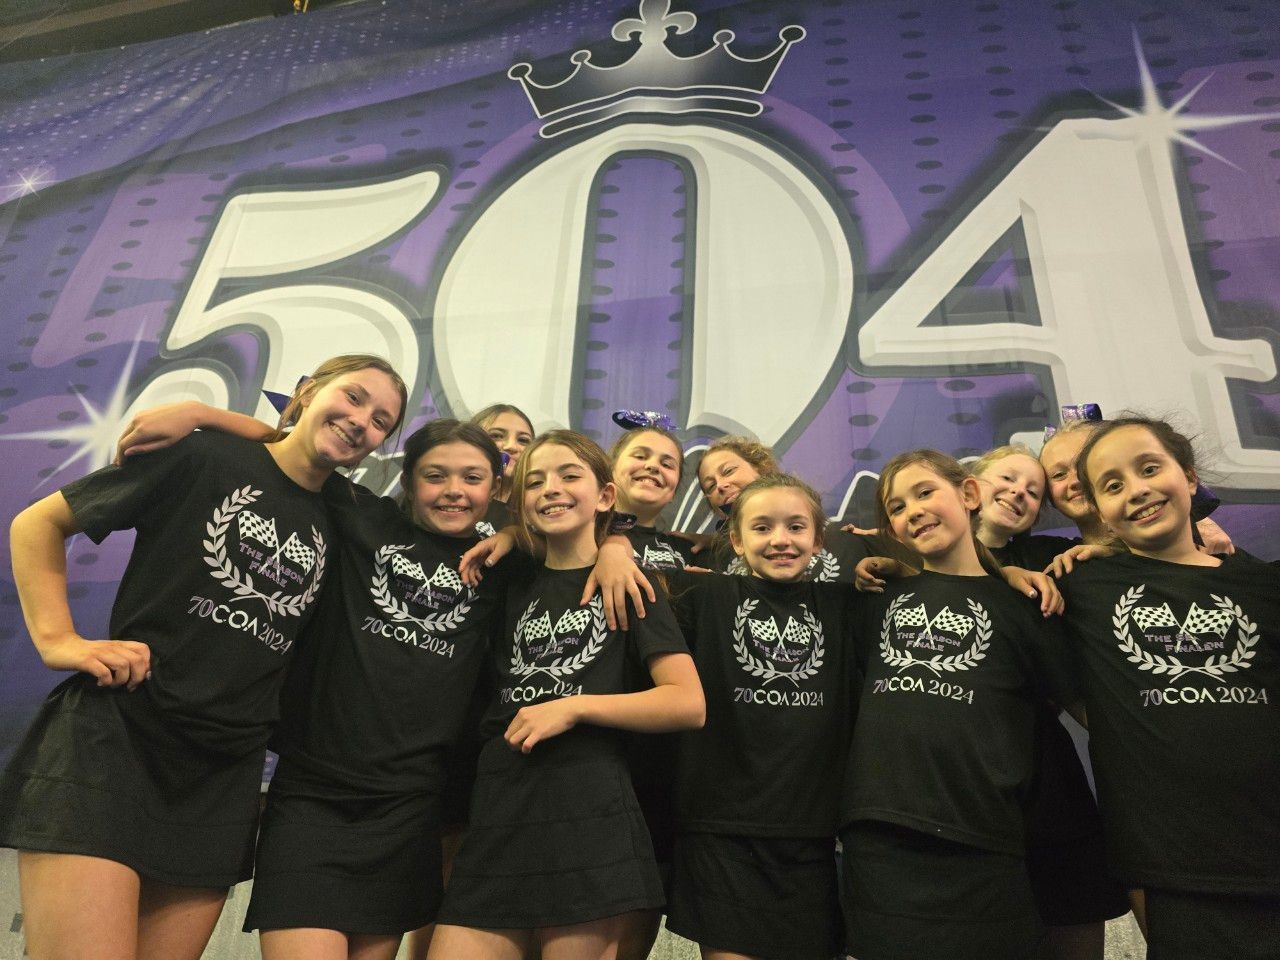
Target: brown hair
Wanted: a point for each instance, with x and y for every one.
(1175, 444)
(325, 374)
(781, 481)
(752, 451)
(586, 450)
(490, 413)
(948, 469)
(623, 442)
(445, 430)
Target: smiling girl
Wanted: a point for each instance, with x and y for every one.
(1074, 894)
(943, 749)
(754, 872)
(1181, 671)
(557, 853)
(647, 465)
(511, 430)
(133, 798)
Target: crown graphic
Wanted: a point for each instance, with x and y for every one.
(653, 79)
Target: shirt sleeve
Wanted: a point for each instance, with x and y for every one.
(1053, 667)
(657, 633)
(125, 497)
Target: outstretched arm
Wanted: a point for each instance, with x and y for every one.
(36, 545)
(163, 426)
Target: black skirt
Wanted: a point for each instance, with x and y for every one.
(1204, 926)
(771, 897)
(1065, 855)
(333, 857)
(911, 896)
(555, 838)
(87, 780)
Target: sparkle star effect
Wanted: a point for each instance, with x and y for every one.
(96, 439)
(1169, 124)
(29, 183)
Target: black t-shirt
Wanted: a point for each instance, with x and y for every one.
(496, 518)
(1181, 674)
(654, 550)
(384, 673)
(550, 647)
(225, 571)
(834, 563)
(1033, 551)
(945, 742)
(776, 662)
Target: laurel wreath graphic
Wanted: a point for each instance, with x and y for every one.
(824, 567)
(1246, 640)
(562, 667)
(761, 668)
(379, 589)
(902, 659)
(241, 584)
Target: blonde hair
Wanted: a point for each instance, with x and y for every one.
(592, 457)
(753, 451)
(984, 462)
(948, 469)
(325, 374)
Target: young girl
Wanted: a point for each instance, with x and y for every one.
(754, 872)
(733, 462)
(556, 852)
(511, 431)
(1181, 670)
(133, 798)
(647, 466)
(943, 750)
(1074, 894)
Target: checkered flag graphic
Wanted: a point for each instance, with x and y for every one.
(953, 623)
(658, 556)
(297, 551)
(446, 577)
(1148, 617)
(1203, 621)
(911, 617)
(404, 567)
(796, 633)
(254, 527)
(573, 622)
(766, 631)
(537, 629)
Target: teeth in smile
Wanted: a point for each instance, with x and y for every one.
(1147, 511)
(342, 434)
(554, 509)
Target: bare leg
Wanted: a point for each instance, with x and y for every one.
(709, 953)
(1138, 902)
(78, 908)
(174, 923)
(595, 940)
(640, 930)
(313, 943)
(1081, 941)
(471, 943)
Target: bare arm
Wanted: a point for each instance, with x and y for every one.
(162, 426)
(36, 544)
(675, 702)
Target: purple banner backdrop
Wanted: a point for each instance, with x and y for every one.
(851, 228)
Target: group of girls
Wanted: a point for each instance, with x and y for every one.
(917, 720)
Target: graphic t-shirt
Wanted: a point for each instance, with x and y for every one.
(656, 550)
(775, 661)
(496, 518)
(226, 569)
(835, 562)
(551, 647)
(386, 669)
(1181, 673)
(944, 742)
